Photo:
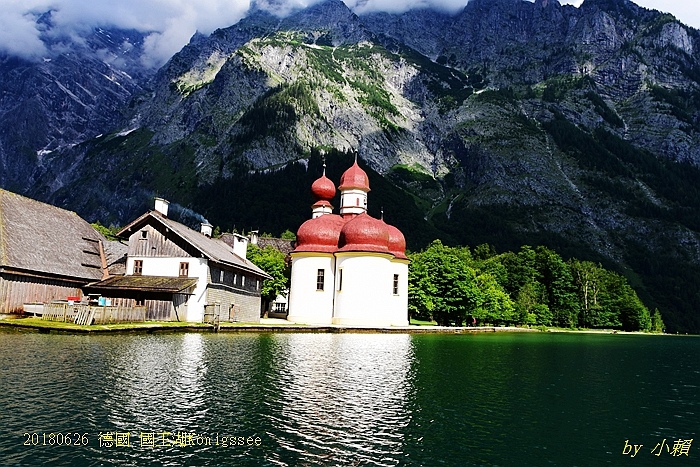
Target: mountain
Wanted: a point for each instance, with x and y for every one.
(510, 122)
(75, 92)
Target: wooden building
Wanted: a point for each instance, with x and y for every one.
(183, 274)
(46, 253)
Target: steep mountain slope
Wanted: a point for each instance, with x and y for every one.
(509, 123)
(77, 91)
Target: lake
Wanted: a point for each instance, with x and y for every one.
(349, 399)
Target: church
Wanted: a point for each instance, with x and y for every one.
(348, 268)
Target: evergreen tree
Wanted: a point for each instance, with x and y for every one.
(657, 323)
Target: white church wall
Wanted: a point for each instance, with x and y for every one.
(307, 304)
(364, 298)
(398, 303)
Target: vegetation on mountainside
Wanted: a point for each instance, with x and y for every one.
(535, 286)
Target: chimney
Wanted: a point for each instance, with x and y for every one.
(207, 229)
(240, 245)
(162, 206)
(254, 237)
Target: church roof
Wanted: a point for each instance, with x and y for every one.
(320, 234)
(323, 188)
(354, 177)
(331, 233)
(397, 242)
(364, 233)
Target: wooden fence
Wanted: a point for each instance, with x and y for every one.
(59, 312)
(87, 314)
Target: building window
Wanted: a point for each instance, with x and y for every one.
(235, 279)
(257, 284)
(319, 279)
(184, 269)
(396, 284)
(242, 280)
(144, 235)
(221, 276)
(340, 280)
(138, 267)
(280, 307)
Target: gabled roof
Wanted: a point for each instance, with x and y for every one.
(37, 238)
(211, 248)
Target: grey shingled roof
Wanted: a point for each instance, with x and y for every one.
(212, 248)
(144, 283)
(39, 238)
(280, 244)
(115, 254)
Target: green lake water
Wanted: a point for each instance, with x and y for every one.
(349, 399)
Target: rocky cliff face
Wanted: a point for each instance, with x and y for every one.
(77, 91)
(511, 122)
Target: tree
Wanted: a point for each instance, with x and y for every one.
(588, 279)
(110, 233)
(493, 305)
(561, 292)
(442, 285)
(657, 323)
(272, 261)
(532, 287)
(621, 299)
(420, 289)
(288, 235)
(529, 306)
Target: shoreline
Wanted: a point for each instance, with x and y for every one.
(38, 325)
(57, 327)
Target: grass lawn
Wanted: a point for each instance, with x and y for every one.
(59, 325)
(417, 322)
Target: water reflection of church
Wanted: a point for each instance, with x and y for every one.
(349, 268)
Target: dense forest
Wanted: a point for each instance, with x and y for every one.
(455, 286)
(534, 287)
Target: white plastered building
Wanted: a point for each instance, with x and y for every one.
(348, 269)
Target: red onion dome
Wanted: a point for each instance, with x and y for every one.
(323, 188)
(354, 177)
(364, 233)
(397, 242)
(320, 234)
